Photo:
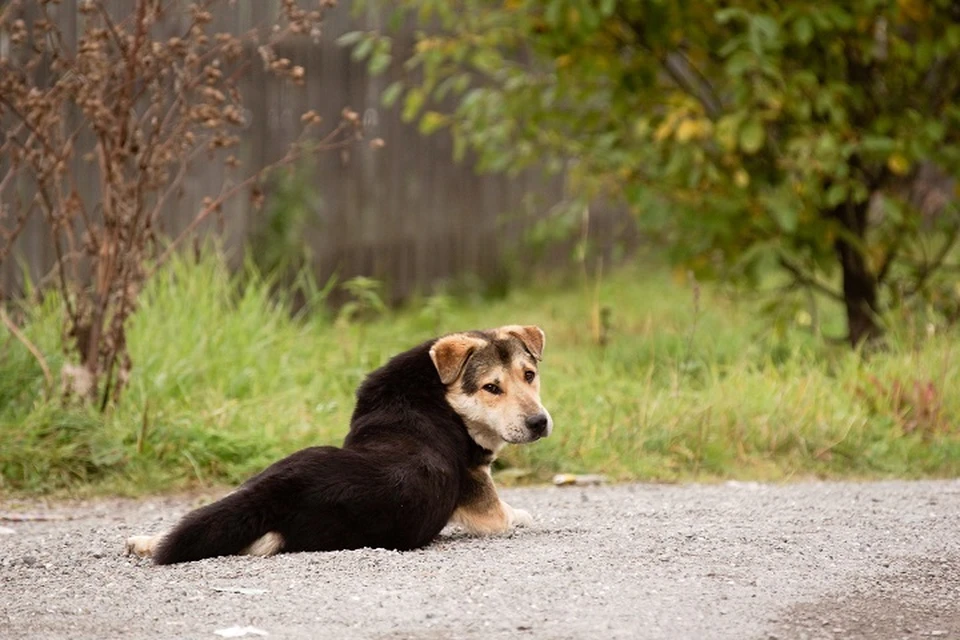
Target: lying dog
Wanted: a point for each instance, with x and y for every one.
(426, 427)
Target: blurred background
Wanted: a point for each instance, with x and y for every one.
(406, 214)
(737, 224)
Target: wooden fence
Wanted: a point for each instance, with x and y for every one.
(406, 213)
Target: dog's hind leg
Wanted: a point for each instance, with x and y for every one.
(485, 513)
(143, 546)
(268, 544)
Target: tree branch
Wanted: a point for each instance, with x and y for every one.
(687, 76)
(809, 281)
(892, 254)
(691, 80)
(926, 270)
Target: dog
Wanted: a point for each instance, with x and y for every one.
(424, 432)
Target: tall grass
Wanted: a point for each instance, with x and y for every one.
(225, 381)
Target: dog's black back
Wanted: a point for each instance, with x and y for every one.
(394, 484)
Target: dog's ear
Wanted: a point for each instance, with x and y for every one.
(532, 337)
(450, 354)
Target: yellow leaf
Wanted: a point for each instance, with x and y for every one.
(663, 131)
(686, 131)
(727, 129)
(693, 129)
(669, 124)
(564, 60)
(741, 178)
(426, 44)
(431, 121)
(898, 164)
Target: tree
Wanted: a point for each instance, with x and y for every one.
(752, 135)
(144, 94)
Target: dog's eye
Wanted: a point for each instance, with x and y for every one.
(492, 388)
(529, 376)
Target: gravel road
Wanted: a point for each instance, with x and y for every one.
(738, 560)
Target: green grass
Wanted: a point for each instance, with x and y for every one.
(226, 382)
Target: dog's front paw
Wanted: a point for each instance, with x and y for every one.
(141, 546)
(521, 518)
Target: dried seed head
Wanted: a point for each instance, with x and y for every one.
(140, 143)
(311, 118)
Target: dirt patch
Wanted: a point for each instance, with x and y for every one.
(921, 599)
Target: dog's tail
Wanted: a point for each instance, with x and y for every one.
(226, 527)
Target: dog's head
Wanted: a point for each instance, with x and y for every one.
(493, 383)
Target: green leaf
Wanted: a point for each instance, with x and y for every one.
(935, 130)
(752, 136)
(740, 63)
(379, 62)
(487, 61)
(554, 12)
(351, 38)
(892, 208)
(472, 99)
(784, 213)
(414, 102)
(389, 96)
(363, 49)
(878, 144)
(836, 194)
(765, 32)
(724, 16)
(803, 30)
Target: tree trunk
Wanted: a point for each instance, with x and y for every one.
(859, 282)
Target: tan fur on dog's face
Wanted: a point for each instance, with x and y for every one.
(493, 383)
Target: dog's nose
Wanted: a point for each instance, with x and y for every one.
(537, 424)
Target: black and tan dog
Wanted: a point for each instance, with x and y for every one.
(425, 429)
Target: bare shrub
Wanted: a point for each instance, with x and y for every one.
(143, 107)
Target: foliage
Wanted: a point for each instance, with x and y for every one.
(366, 300)
(143, 107)
(690, 384)
(751, 135)
(280, 246)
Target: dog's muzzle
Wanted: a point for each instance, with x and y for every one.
(538, 425)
